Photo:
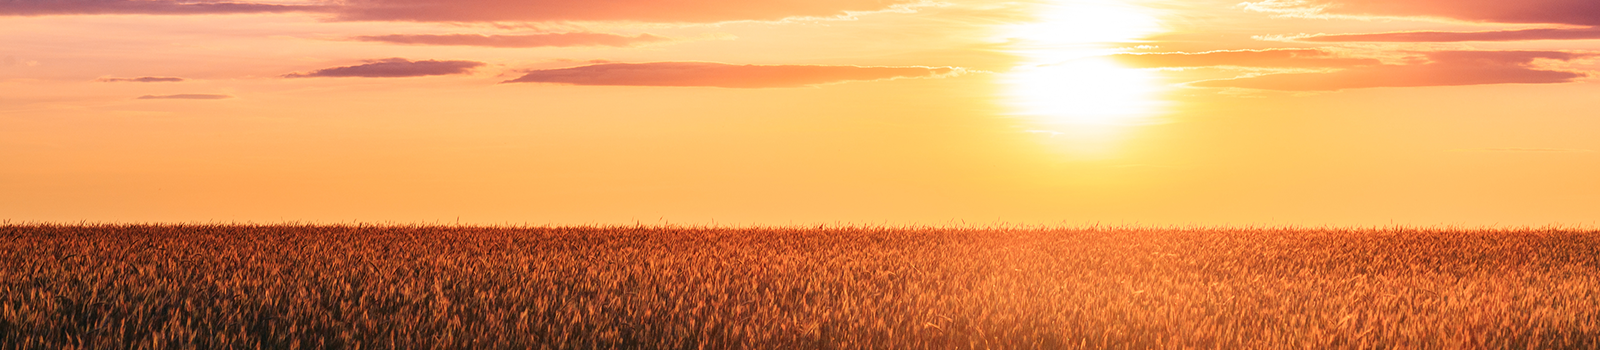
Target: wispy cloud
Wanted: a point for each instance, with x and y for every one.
(722, 75)
(1537, 150)
(1275, 58)
(531, 40)
(140, 80)
(185, 97)
(1434, 36)
(700, 11)
(142, 7)
(691, 11)
(8, 61)
(1579, 12)
(1443, 68)
(393, 68)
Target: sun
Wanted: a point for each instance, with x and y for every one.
(1065, 82)
(1092, 90)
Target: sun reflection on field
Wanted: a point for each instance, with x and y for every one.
(1066, 87)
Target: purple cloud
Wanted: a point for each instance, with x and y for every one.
(532, 40)
(720, 74)
(393, 68)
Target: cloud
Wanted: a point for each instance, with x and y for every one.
(140, 80)
(1444, 68)
(1569, 12)
(696, 11)
(141, 7)
(701, 11)
(534, 40)
(14, 61)
(1277, 58)
(185, 97)
(1540, 150)
(393, 68)
(721, 75)
(1431, 36)
(1579, 12)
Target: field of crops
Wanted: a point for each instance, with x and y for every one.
(379, 287)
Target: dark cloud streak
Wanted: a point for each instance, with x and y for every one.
(516, 41)
(393, 68)
(721, 75)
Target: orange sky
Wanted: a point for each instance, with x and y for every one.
(1314, 112)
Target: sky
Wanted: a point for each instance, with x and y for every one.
(1476, 113)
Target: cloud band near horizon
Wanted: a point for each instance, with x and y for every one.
(1443, 68)
(1271, 58)
(516, 41)
(686, 11)
(1577, 12)
(143, 7)
(393, 68)
(710, 74)
(1437, 36)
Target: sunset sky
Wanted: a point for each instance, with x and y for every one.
(1160, 112)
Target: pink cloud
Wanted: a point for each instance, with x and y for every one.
(393, 68)
(1444, 68)
(720, 75)
(142, 7)
(700, 11)
(140, 80)
(533, 40)
(1276, 58)
(602, 10)
(185, 97)
(1431, 36)
(1580, 12)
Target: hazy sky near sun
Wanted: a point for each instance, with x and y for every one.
(1211, 112)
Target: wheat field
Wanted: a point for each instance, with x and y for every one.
(447, 287)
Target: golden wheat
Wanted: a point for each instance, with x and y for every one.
(384, 287)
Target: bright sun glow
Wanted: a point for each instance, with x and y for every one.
(1091, 90)
(1065, 83)
(1067, 29)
